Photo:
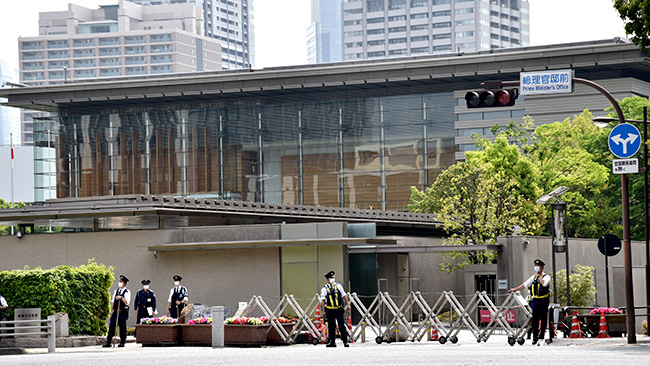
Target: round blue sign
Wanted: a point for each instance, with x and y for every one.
(624, 140)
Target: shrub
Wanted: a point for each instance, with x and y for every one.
(81, 292)
(583, 290)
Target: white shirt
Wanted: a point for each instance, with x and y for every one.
(546, 280)
(126, 295)
(3, 302)
(323, 291)
(178, 288)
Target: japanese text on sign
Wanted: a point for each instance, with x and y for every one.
(545, 82)
(625, 166)
(510, 316)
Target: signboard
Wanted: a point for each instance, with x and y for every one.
(624, 140)
(609, 245)
(625, 166)
(503, 284)
(510, 316)
(545, 82)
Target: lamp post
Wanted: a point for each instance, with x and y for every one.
(645, 198)
(560, 239)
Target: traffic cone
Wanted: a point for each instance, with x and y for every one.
(575, 326)
(434, 333)
(350, 328)
(602, 330)
(317, 321)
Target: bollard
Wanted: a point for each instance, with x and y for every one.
(217, 327)
(51, 334)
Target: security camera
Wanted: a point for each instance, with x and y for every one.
(557, 192)
(155, 254)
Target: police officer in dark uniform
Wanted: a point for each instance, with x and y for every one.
(539, 285)
(120, 301)
(332, 298)
(145, 302)
(177, 298)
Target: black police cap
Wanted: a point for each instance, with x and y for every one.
(177, 278)
(124, 279)
(145, 282)
(329, 274)
(539, 262)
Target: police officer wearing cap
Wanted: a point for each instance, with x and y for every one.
(332, 297)
(120, 304)
(145, 302)
(539, 286)
(177, 298)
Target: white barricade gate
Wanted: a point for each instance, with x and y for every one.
(460, 317)
(34, 330)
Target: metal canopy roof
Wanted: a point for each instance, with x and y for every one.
(152, 212)
(271, 244)
(605, 59)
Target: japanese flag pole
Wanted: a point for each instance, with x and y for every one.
(11, 142)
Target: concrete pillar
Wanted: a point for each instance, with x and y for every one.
(217, 326)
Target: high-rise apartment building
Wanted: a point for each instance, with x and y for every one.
(229, 21)
(324, 33)
(115, 40)
(387, 28)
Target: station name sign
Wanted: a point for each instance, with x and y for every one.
(545, 82)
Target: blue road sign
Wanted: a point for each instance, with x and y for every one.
(624, 140)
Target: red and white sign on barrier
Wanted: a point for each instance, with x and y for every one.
(510, 316)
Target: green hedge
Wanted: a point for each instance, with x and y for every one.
(81, 292)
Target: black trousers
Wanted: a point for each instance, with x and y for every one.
(338, 315)
(175, 310)
(540, 313)
(124, 315)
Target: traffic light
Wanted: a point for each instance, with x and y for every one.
(491, 98)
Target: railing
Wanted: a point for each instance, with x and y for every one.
(48, 330)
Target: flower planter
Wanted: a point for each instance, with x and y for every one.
(273, 337)
(197, 334)
(616, 325)
(244, 334)
(158, 334)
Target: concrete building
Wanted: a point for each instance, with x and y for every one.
(324, 33)
(230, 22)
(390, 28)
(350, 134)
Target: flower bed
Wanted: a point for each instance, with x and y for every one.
(597, 311)
(243, 331)
(158, 334)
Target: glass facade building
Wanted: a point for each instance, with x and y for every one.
(335, 150)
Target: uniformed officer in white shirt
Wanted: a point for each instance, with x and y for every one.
(178, 298)
(332, 298)
(539, 288)
(120, 304)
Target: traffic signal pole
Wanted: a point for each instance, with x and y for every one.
(625, 205)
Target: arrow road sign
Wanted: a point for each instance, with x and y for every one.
(624, 140)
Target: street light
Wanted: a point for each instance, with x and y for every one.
(602, 122)
(560, 238)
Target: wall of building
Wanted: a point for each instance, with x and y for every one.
(213, 277)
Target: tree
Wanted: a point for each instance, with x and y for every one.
(6, 230)
(570, 153)
(583, 290)
(487, 196)
(636, 15)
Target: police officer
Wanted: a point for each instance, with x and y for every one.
(145, 302)
(332, 297)
(177, 298)
(120, 303)
(3, 305)
(539, 285)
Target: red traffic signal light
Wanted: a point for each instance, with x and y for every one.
(491, 98)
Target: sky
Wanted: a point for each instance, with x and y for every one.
(280, 25)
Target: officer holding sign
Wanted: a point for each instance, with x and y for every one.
(332, 298)
(539, 286)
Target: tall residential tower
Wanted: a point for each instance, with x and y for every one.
(385, 28)
(229, 21)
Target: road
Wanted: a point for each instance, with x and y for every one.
(583, 352)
